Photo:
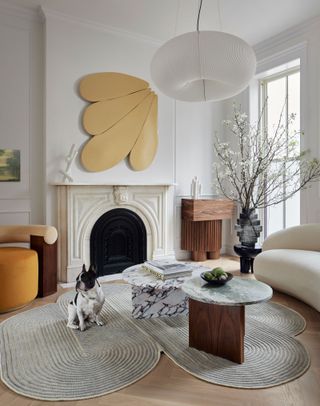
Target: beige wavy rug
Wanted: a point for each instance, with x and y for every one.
(42, 359)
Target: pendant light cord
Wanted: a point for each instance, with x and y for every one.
(176, 19)
(219, 15)
(198, 22)
(199, 12)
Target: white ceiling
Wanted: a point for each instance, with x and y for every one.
(252, 20)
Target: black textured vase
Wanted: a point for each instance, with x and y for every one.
(248, 227)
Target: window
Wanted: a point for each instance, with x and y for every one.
(281, 94)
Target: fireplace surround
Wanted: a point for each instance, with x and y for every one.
(80, 206)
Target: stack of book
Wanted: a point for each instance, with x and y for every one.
(164, 270)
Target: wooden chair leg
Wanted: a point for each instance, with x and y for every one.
(47, 257)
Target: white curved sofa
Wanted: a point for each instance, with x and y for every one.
(290, 263)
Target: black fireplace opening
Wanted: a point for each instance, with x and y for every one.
(118, 240)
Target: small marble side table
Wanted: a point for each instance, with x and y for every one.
(217, 314)
(152, 297)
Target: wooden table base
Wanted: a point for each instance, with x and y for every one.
(218, 330)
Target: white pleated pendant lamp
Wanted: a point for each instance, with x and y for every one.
(203, 66)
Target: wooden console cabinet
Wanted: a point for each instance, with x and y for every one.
(201, 224)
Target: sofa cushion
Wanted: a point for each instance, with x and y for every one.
(296, 272)
(19, 277)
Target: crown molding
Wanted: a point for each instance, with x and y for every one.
(294, 52)
(49, 13)
(31, 14)
(294, 33)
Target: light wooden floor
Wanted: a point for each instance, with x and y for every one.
(168, 384)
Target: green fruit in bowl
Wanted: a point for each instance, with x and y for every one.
(218, 268)
(219, 273)
(208, 276)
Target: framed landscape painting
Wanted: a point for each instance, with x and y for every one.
(9, 165)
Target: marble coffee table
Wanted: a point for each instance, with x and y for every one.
(217, 314)
(152, 297)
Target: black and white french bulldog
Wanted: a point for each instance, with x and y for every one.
(86, 306)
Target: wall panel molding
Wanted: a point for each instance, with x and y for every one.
(20, 112)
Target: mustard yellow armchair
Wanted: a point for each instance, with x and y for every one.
(27, 272)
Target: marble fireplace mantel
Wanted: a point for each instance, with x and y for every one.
(80, 205)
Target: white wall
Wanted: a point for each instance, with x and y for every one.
(41, 113)
(195, 128)
(21, 114)
(75, 49)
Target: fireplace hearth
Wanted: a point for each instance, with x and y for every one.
(118, 240)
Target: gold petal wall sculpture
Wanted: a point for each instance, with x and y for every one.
(109, 85)
(145, 148)
(122, 120)
(101, 116)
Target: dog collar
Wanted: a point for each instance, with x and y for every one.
(88, 297)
